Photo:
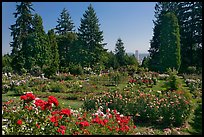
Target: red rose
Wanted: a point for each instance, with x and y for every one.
(53, 119)
(84, 124)
(19, 122)
(66, 111)
(53, 100)
(23, 97)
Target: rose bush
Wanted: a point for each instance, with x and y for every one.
(168, 108)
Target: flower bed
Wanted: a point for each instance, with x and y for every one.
(33, 116)
(168, 108)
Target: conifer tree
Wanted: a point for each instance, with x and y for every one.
(65, 23)
(39, 41)
(54, 52)
(169, 51)
(120, 52)
(19, 31)
(65, 39)
(189, 16)
(54, 56)
(90, 38)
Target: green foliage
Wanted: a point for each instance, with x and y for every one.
(188, 14)
(171, 108)
(6, 63)
(132, 69)
(65, 23)
(197, 120)
(111, 61)
(76, 69)
(98, 68)
(131, 60)
(7, 69)
(172, 81)
(191, 70)
(90, 38)
(67, 48)
(62, 76)
(54, 67)
(146, 62)
(57, 87)
(169, 51)
(43, 49)
(19, 31)
(48, 71)
(54, 120)
(120, 52)
(36, 71)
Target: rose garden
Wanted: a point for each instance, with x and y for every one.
(109, 103)
(67, 81)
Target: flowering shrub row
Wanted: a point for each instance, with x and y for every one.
(172, 107)
(34, 116)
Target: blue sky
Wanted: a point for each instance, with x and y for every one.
(130, 21)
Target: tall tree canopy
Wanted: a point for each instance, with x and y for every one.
(65, 39)
(169, 51)
(90, 37)
(189, 16)
(19, 32)
(38, 44)
(54, 57)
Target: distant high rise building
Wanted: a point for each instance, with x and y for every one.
(137, 54)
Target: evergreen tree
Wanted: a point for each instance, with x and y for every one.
(169, 51)
(120, 52)
(6, 63)
(189, 16)
(111, 61)
(90, 38)
(54, 67)
(131, 60)
(160, 9)
(39, 43)
(19, 31)
(66, 39)
(67, 49)
(145, 62)
(65, 23)
(190, 21)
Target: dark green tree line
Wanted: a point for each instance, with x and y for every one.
(189, 16)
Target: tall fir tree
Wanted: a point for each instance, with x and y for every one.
(120, 52)
(90, 38)
(65, 39)
(65, 23)
(169, 51)
(190, 21)
(19, 31)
